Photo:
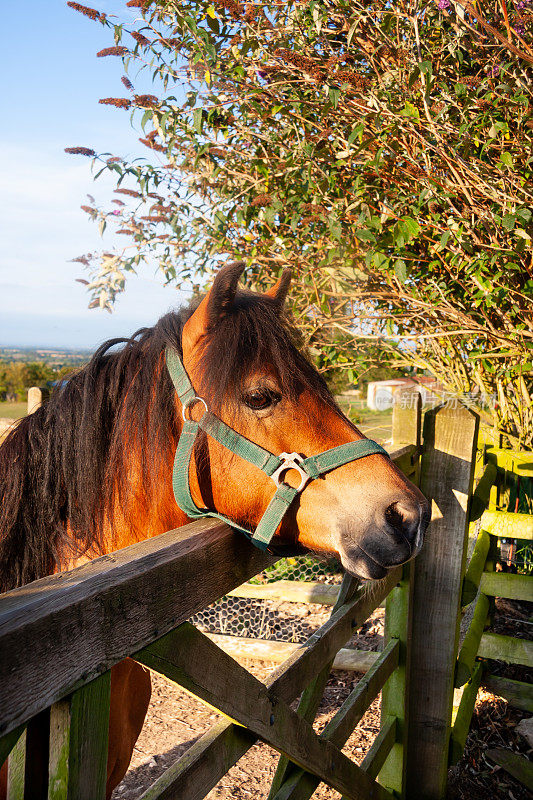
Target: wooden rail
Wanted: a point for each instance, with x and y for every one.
(58, 633)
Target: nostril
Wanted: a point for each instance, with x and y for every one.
(404, 519)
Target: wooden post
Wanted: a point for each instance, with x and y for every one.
(450, 437)
(406, 417)
(406, 424)
(35, 399)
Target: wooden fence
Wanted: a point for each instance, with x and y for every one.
(60, 636)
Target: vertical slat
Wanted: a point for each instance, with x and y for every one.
(447, 469)
(59, 750)
(407, 423)
(79, 740)
(15, 770)
(394, 698)
(406, 416)
(406, 429)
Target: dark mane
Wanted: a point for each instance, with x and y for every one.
(62, 466)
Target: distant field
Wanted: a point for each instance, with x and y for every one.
(13, 410)
(374, 424)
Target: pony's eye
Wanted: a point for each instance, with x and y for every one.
(259, 399)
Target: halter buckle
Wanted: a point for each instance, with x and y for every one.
(291, 461)
(191, 402)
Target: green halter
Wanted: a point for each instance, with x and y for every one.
(274, 466)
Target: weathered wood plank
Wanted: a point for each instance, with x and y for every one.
(78, 743)
(506, 525)
(505, 584)
(517, 693)
(398, 617)
(447, 472)
(464, 667)
(189, 658)
(506, 648)
(520, 462)
(463, 718)
(376, 756)
(406, 418)
(207, 760)
(290, 591)
(16, 769)
(269, 650)
(51, 642)
(475, 568)
(394, 698)
(516, 765)
(340, 727)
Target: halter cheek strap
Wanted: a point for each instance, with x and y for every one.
(272, 465)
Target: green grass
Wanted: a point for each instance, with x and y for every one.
(374, 424)
(13, 410)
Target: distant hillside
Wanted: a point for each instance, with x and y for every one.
(55, 357)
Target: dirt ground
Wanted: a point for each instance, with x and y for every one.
(176, 720)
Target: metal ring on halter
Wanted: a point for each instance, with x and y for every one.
(190, 403)
(291, 461)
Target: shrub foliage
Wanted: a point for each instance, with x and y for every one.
(383, 150)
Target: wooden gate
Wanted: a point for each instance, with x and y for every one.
(60, 636)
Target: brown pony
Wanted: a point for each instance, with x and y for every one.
(90, 471)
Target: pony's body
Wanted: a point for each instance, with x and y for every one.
(90, 471)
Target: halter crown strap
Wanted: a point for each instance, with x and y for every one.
(274, 466)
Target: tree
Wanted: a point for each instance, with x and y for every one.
(383, 150)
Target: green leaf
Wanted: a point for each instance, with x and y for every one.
(411, 111)
(197, 119)
(334, 95)
(507, 159)
(508, 221)
(400, 270)
(412, 226)
(365, 236)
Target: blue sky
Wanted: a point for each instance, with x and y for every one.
(50, 102)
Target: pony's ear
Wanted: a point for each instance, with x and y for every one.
(278, 292)
(215, 304)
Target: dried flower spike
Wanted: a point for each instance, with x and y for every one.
(139, 38)
(146, 100)
(118, 102)
(80, 151)
(261, 200)
(112, 51)
(127, 83)
(92, 13)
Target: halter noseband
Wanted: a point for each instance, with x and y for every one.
(272, 465)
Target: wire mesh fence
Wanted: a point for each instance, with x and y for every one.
(273, 619)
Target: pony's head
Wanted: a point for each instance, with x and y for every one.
(240, 354)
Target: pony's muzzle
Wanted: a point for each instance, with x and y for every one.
(408, 522)
(386, 541)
